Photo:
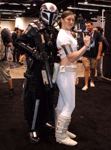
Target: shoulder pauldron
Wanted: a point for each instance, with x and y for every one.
(33, 28)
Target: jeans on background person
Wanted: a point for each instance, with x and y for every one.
(100, 68)
(16, 55)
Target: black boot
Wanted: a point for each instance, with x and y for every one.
(34, 137)
(11, 92)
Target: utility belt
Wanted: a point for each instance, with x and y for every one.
(57, 68)
(71, 68)
(62, 69)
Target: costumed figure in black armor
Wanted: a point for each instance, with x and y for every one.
(39, 44)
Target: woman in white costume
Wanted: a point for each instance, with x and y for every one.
(67, 78)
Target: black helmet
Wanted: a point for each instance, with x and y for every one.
(48, 13)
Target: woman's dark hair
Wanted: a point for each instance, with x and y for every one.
(66, 13)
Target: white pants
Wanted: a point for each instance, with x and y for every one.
(66, 100)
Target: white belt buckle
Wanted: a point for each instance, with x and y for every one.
(62, 69)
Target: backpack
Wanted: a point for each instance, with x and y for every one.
(2, 47)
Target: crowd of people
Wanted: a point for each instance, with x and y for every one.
(50, 44)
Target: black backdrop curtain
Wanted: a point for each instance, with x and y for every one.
(108, 28)
(107, 57)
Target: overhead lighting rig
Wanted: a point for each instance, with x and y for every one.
(14, 10)
(84, 9)
(7, 10)
(96, 5)
(24, 4)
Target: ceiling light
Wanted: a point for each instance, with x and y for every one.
(13, 4)
(26, 4)
(104, 1)
(70, 7)
(85, 2)
(28, 7)
(6, 13)
(85, 9)
(61, 10)
(34, 4)
(1, 3)
(97, 5)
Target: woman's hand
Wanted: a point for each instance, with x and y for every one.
(77, 81)
(86, 40)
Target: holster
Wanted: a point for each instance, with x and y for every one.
(55, 71)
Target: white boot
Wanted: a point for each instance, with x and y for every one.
(61, 129)
(57, 112)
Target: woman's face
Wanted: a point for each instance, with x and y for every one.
(68, 22)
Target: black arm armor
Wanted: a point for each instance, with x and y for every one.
(28, 38)
(33, 28)
(30, 51)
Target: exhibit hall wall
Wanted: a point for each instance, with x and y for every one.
(22, 22)
(8, 24)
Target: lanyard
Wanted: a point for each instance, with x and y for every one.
(92, 34)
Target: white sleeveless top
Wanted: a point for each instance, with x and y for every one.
(65, 37)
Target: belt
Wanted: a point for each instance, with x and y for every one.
(67, 69)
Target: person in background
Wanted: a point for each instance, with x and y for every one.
(67, 78)
(15, 34)
(5, 76)
(92, 55)
(22, 54)
(105, 48)
(74, 34)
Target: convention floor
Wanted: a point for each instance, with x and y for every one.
(19, 72)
